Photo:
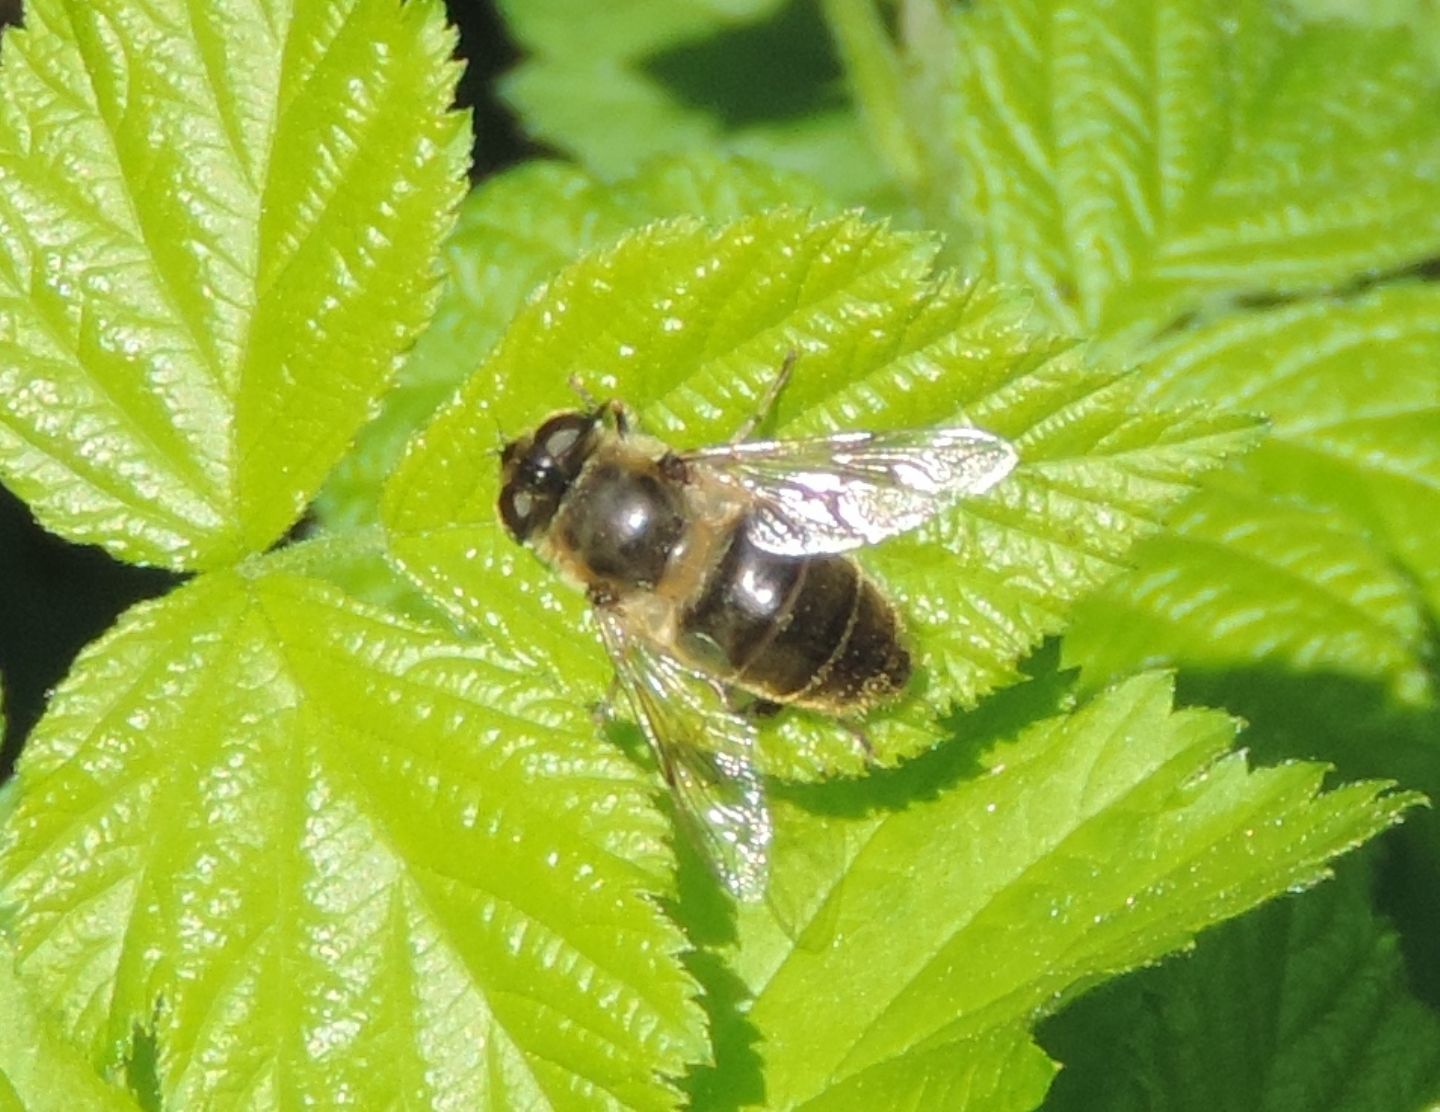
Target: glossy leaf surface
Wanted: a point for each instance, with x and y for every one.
(1050, 856)
(216, 231)
(324, 853)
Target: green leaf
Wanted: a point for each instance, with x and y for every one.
(318, 851)
(216, 232)
(1301, 1005)
(1419, 18)
(998, 1071)
(1354, 409)
(689, 324)
(1361, 729)
(1135, 164)
(1189, 180)
(614, 85)
(38, 1071)
(514, 231)
(967, 900)
(1322, 553)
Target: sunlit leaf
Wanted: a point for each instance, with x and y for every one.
(217, 223)
(38, 1071)
(514, 231)
(276, 846)
(1194, 181)
(1136, 164)
(326, 854)
(1322, 553)
(985, 884)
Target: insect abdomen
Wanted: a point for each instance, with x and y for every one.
(808, 630)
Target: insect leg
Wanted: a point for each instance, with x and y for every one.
(674, 468)
(764, 708)
(768, 399)
(862, 739)
(602, 712)
(750, 707)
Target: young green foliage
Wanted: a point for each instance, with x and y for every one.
(216, 231)
(1302, 1004)
(1142, 211)
(317, 850)
(689, 325)
(39, 1071)
(1323, 553)
(1159, 174)
(980, 887)
(273, 845)
(1136, 165)
(288, 846)
(513, 232)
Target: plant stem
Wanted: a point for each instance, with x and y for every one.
(877, 82)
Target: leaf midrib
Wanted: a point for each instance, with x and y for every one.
(376, 815)
(140, 229)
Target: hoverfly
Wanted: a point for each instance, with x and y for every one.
(721, 574)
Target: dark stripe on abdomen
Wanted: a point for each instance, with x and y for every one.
(810, 632)
(743, 598)
(870, 663)
(807, 629)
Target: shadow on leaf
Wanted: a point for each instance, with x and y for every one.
(1355, 726)
(964, 737)
(780, 69)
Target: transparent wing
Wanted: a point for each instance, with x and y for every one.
(837, 493)
(704, 750)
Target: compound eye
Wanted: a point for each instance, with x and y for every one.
(561, 441)
(560, 436)
(516, 509)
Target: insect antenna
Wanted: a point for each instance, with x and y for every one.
(767, 399)
(588, 398)
(501, 440)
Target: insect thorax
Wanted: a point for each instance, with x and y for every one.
(621, 522)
